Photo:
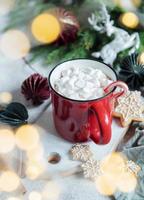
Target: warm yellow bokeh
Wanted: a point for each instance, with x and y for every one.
(115, 175)
(113, 165)
(7, 140)
(129, 20)
(14, 44)
(127, 183)
(106, 185)
(5, 97)
(13, 198)
(34, 169)
(51, 191)
(46, 28)
(9, 181)
(27, 137)
(36, 153)
(6, 6)
(137, 3)
(35, 196)
(141, 58)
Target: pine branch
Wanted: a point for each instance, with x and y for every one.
(78, 49)
(141, 34)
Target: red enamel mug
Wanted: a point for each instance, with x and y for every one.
(81, 120)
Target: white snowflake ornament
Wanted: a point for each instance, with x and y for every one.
(91, 169)
(81, 152)
(132, 167)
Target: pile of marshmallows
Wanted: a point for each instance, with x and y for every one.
(85, 83)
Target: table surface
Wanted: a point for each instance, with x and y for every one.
(12, 74)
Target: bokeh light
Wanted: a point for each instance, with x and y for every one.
(127, 183)
(129, 20)
(34, 195)
(7, 140)
(128, 4)
(46, 28)
(9, 181)
(5, 97)
(34, 169)
(14, 44)
(141, 58)
(6, 6)
(106, 185)
(13, 198)
(36, 153)
(113, 164)
(115, 175)
(27, 137)
(136, 3)
(51, 191)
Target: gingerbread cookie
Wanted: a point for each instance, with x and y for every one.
(130, 107)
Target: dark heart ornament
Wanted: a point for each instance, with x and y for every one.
(35, 88)
(132, 72)
(14, 114)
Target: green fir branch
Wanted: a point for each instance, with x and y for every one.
(79, 49)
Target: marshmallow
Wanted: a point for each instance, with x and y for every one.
(82, 83)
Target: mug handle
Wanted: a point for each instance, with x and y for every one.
(119, 84)
(100, 123)
(100, 117)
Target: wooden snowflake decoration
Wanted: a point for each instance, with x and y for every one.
(91, 169)
(132, 167)
(129, 107)
(81, 152)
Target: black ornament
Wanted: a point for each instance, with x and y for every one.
(132, 72)
(14, 114)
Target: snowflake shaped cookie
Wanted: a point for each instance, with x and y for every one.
(81, 152)
(130, 107)
(132, 167)
(91, 169)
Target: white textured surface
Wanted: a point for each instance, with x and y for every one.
(72, 188)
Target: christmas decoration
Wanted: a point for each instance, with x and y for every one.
(46, 28)
(15, 114)
(129, 108)
(79, 49)
(35, 88)
(132, 167)
(121, 41)
(56, 25)
(69, 25)
(129, 20)
(76, 39)
(132, 72)
(81, 152)
(91, 169)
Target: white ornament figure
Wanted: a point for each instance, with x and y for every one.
(122, 41)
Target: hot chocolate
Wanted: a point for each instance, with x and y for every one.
(82, 83)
